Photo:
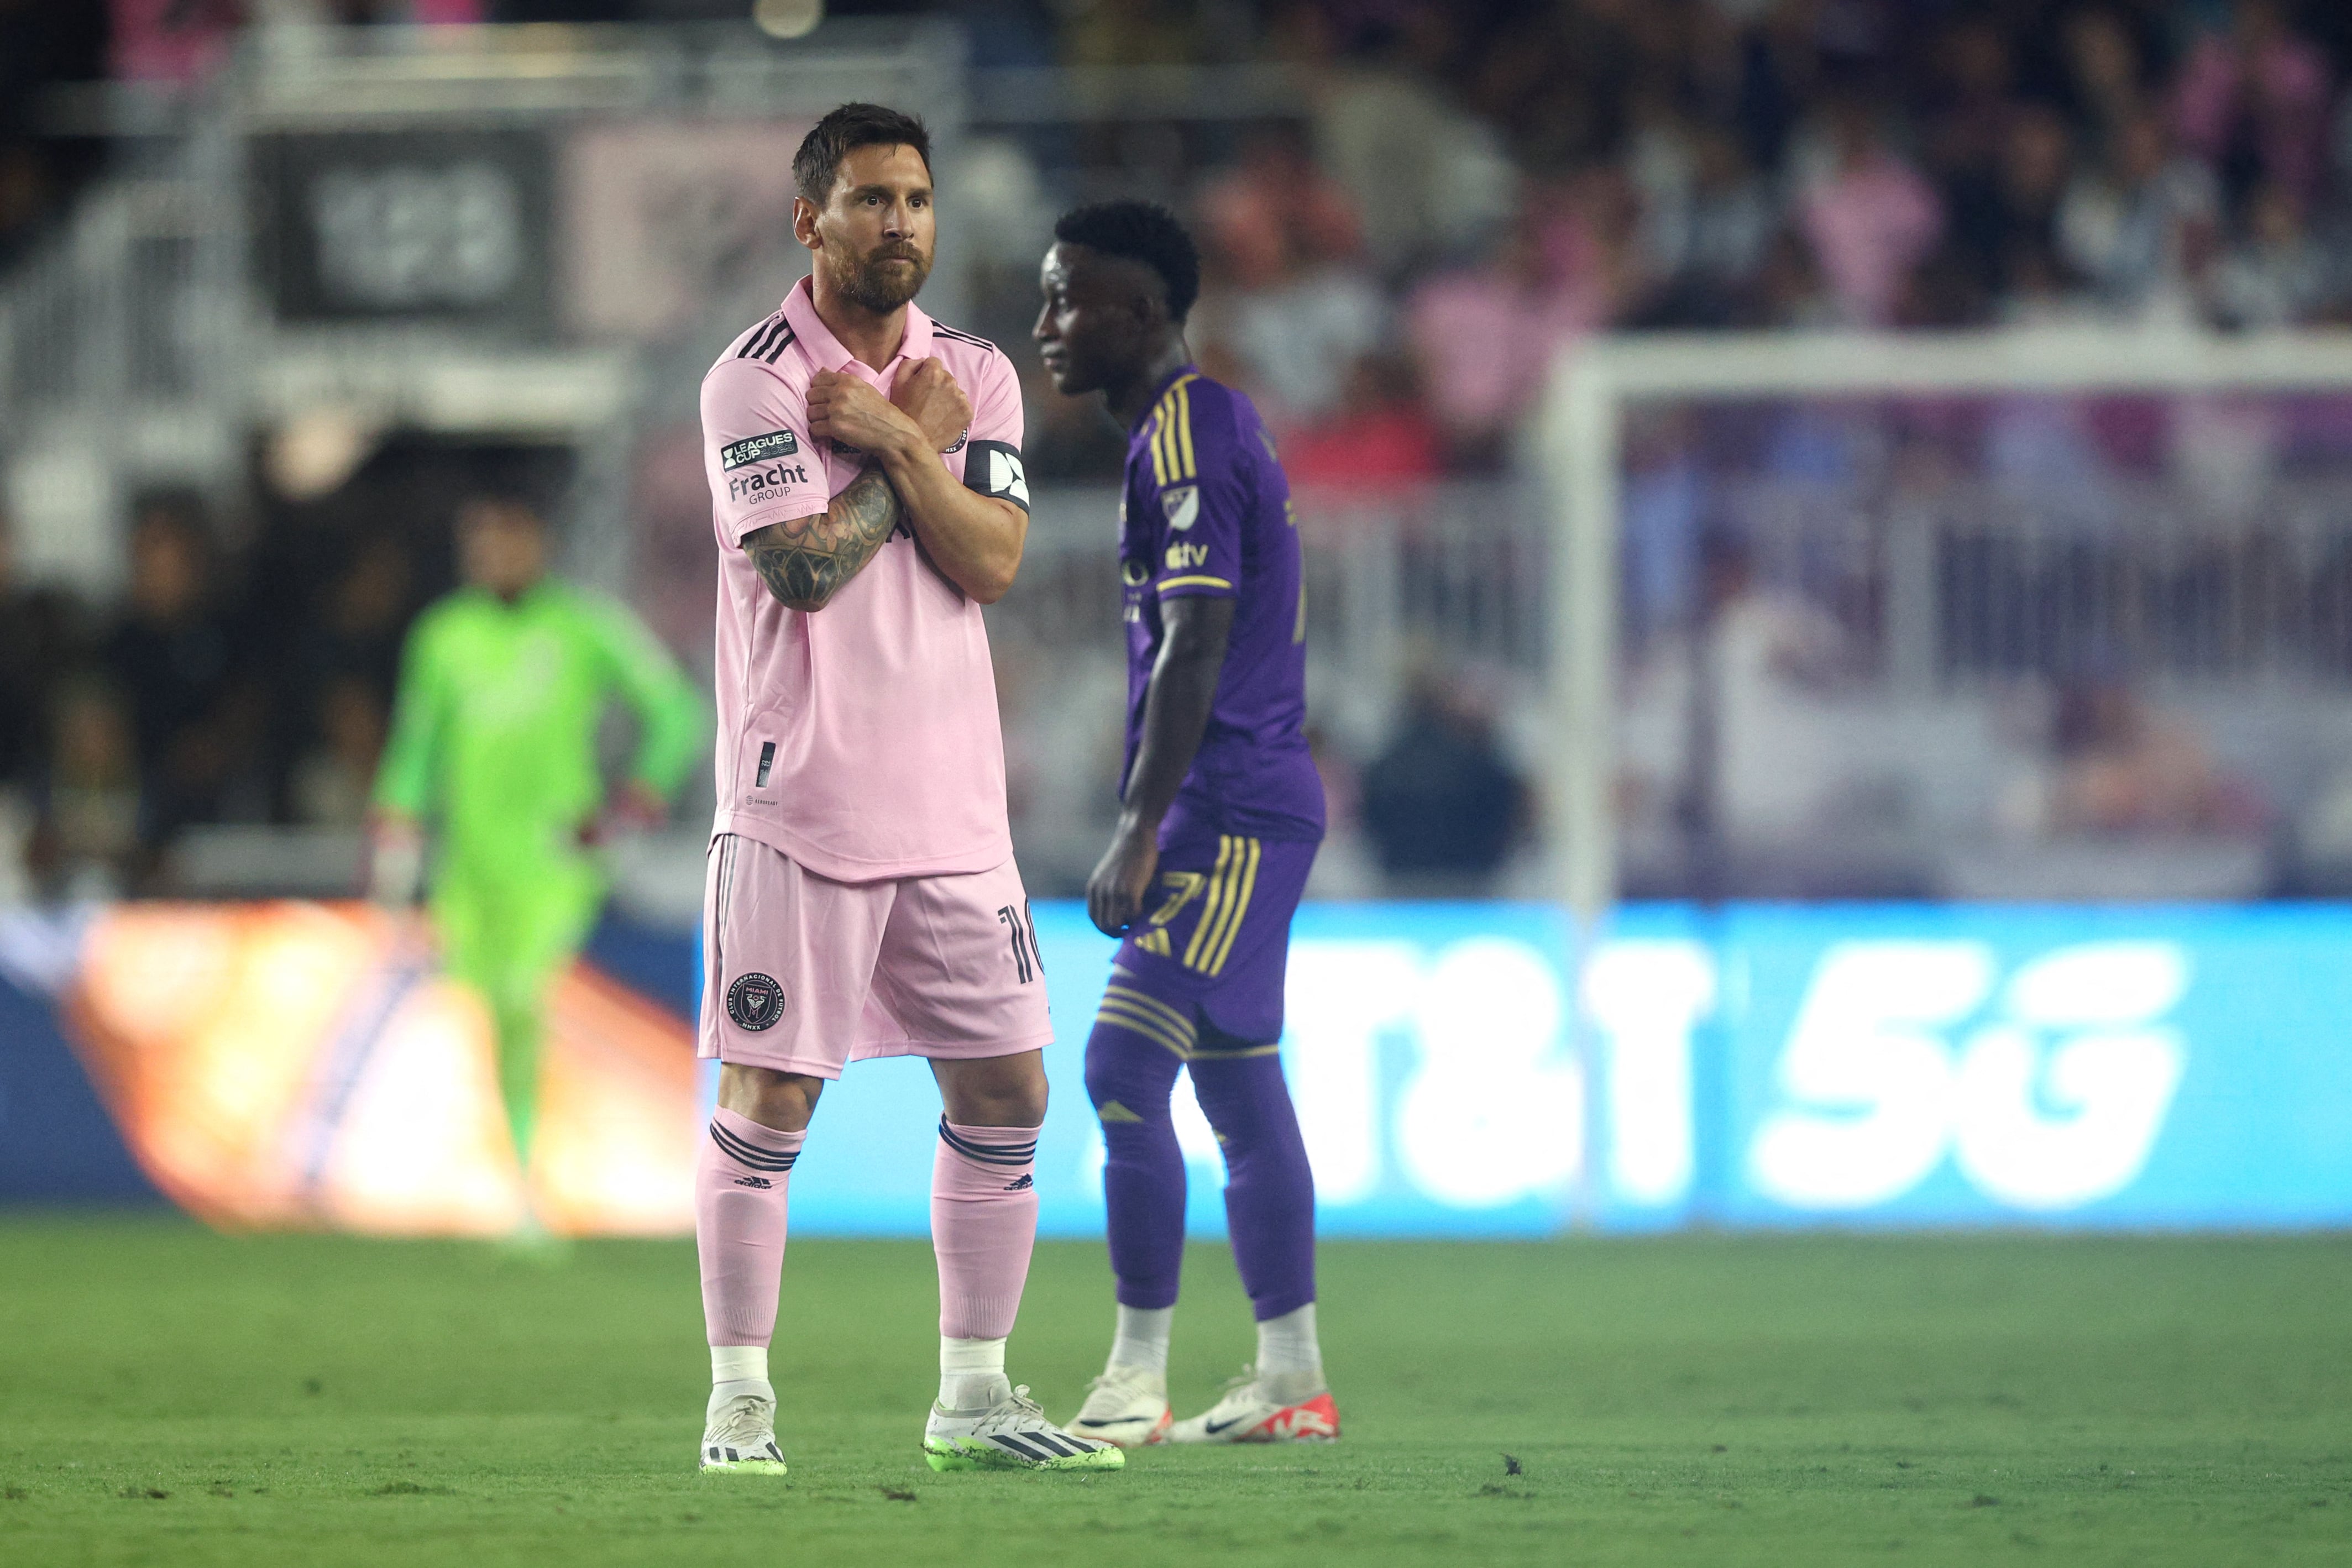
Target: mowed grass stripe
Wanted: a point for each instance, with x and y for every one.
(1764, 1399)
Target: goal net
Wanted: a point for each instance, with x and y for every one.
(2042, 614)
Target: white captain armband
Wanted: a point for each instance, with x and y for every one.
(994, 468)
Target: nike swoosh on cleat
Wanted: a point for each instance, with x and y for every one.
(1214, 1426)
(1119, 1421)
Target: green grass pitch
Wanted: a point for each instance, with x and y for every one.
(172, 1396)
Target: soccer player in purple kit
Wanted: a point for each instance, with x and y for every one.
(1221, 812)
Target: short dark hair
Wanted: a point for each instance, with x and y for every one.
(1140, 231)
(852, 126)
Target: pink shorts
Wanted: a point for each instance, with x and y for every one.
(804, 974)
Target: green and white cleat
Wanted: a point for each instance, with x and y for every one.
(1014, 1436)
(740, 1437)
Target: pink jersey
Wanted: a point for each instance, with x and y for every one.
(860, 739)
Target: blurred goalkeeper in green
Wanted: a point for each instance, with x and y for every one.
(503, 686)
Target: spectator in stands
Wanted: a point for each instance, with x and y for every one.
(2107, 78)
(1441, 803)
(173, 658)
(1486, 336)
(2142, 228)
(1134, 33)
(1420, 171)
(2014, 211)
(1790, 290)
(1376, 438)
(332, 785)
(1704, 235)
(2252, 103)
(1295, 304)
(1870, 216)
(1758, 674)
(2121, 767)
(173, 40)
(1968, 118)
(361, 625)
(2274, 275)
(86, 844)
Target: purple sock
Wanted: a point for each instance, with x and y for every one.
(1269, 1190)
(1129, 1077)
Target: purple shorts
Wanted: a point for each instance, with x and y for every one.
(1214, 940)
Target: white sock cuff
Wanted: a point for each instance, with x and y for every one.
(968, 1357)
(1141, 1337)
(971, 1374)
(1289, 1343)
(739, 1364)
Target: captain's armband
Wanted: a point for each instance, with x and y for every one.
(994, 468)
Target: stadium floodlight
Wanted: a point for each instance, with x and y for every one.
(1583, 423)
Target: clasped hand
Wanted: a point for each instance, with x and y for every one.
(925, 406)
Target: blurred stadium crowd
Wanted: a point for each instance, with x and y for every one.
(1454, 192)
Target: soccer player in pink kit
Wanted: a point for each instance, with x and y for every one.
(865, 481)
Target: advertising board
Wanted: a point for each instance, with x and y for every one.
(1753, 1066)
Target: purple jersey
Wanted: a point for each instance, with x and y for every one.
(1206, 512)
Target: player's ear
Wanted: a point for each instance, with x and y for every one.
(804, 216)
(1150, 310)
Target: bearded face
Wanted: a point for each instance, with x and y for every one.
(883, 278)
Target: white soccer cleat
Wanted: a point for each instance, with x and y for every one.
(1014, 1436)
(1126, 1406)
(1251, 1412)
(740, 1439)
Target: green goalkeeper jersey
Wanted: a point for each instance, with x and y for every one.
(494, 729)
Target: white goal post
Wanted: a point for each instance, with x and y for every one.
(1581, 435)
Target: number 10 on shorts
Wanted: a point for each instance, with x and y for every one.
(1021, 926)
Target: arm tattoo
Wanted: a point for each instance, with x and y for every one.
(806, 562)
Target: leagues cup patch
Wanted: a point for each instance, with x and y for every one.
(757, 449)
(755, 1002)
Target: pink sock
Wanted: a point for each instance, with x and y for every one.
(740, 1179)
(983, 1224)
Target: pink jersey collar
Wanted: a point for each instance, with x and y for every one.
(825, 349)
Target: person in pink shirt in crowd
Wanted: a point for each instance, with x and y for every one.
(185, 40)
(2252, 102)
(170, 40)
(1871, 218)
(1273, 206)
(1487, 337)
(867, 492)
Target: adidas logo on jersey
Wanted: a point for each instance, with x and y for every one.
(761, 1183)
(1022, 1184)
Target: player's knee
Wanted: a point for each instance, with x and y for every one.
(1123, 1069)
(994, 1091)
(784, 1101)
(1104, 1079)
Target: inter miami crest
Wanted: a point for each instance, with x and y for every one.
(755, 1002)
